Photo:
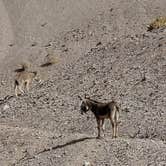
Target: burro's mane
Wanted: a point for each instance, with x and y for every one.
(98, 102)
(94, 101)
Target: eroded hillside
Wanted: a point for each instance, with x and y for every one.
(108, 54)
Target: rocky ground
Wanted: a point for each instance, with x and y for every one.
(103, 49)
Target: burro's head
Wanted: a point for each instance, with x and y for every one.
(84, 108)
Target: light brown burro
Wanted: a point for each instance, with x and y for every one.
(102, 111)
(23, 80)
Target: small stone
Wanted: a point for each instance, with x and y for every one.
(6, 107)
(11, 44)
(34, 44)
(86, 163)
(159, 45)
(47, 45)
(99, 43)
(44, 24)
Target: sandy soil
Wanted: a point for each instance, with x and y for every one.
(104, 50)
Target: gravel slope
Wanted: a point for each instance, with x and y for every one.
(104, 50)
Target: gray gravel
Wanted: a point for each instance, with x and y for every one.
(104, 50)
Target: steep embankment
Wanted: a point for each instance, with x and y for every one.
(107, 54)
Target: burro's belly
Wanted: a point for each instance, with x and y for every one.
(104, 117)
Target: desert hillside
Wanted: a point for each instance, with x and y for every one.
(103, 49)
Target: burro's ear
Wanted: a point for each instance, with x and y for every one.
(79, 97)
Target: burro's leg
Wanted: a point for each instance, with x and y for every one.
(113, 128)
(98, 127)
(113, 123)
(16, 90)
(20, 87)
(116, 122)
(116, 130)
(103, 126)
(27, 85)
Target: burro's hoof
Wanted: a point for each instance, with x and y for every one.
(98, 137)
(114, 137)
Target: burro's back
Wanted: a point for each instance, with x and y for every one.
(23, 80)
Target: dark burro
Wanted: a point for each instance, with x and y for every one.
(102, 111)
(108, 49)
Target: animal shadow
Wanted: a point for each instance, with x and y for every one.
(66, 144)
